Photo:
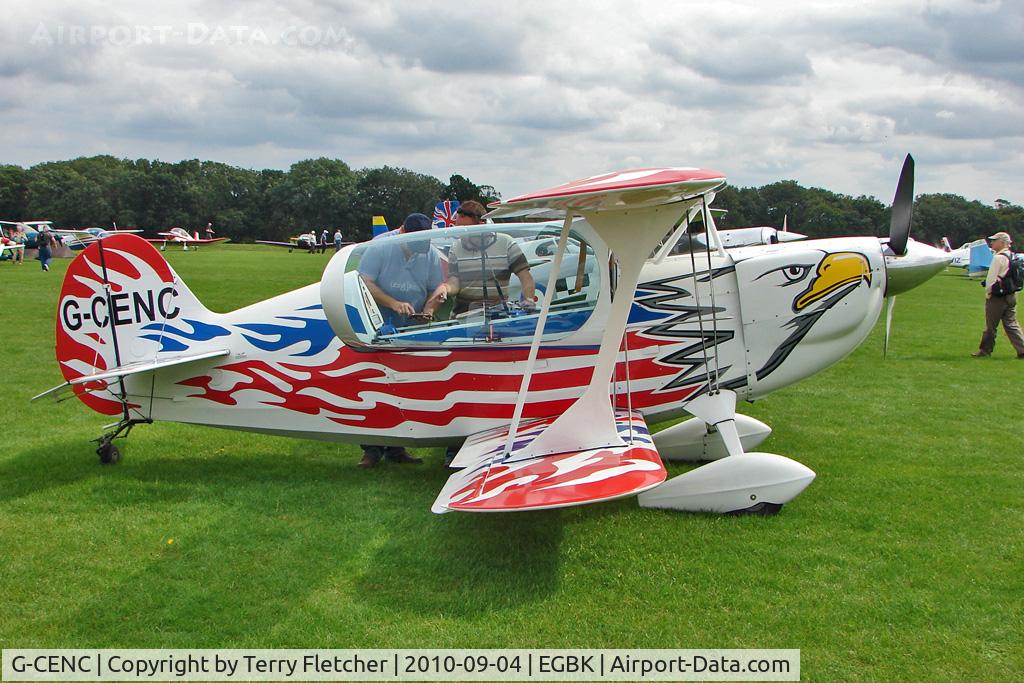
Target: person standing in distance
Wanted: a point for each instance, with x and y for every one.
(1000, 305)
(45, 244)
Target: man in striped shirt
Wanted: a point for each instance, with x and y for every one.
(481, 265)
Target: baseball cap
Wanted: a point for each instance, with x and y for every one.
(416, 221)
(1001, 236)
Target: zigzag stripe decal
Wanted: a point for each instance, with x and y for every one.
(666, 295)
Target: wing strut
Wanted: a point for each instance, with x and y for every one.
(589, 422)
(531, 360)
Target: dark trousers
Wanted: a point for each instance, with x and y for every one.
(45, 254)
(380, 451)
(1002, 308)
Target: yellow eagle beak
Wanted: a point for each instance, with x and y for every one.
(834, 272)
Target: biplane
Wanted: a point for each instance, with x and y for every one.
(551, 403)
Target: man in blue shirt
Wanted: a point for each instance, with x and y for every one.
(404, 278)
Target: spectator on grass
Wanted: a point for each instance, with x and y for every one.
(1000, 301)
(19, 237)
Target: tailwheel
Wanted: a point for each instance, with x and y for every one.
(108, 452)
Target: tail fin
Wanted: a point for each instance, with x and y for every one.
(379, 225)
(118, 302)
(945, 245)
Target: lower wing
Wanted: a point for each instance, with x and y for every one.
(495, 481)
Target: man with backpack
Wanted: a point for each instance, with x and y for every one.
(45, 243)
(1002, 283)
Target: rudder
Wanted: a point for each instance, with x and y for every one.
(118, 299)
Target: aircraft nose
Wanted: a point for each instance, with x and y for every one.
(918, 265)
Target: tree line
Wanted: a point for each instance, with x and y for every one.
(313, 194)
(242, 204)
(820, 213)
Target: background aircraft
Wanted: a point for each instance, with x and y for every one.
(550, 405)
(307, 241)
(182, 236)
(8, 246)
(31, 229)
(974, 256)
(76, 240)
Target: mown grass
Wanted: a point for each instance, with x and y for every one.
(903, 561)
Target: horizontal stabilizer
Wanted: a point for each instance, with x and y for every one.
(130, 369)
(493, 481)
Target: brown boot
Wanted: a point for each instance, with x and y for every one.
(399, 455)
(371, 456)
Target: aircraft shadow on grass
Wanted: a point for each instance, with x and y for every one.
(503, 561)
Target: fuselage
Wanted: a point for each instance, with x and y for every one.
(752, 319)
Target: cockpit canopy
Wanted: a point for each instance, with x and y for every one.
(379, 293)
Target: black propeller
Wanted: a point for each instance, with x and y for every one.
(902, 209)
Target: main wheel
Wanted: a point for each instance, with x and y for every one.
(762, 509)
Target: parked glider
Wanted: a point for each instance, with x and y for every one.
(551, 404)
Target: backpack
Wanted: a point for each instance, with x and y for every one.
(1013, 281)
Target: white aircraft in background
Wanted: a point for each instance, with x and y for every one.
(184, 238)
(75, 240)
(961, 256)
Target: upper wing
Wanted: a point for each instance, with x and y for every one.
(633, 189)
(493, 482)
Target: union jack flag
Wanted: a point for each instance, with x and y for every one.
(444, 213)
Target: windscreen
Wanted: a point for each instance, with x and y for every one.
(476, 285)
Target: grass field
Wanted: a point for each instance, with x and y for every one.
(903, 561)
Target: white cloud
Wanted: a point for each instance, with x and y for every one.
(525, 95)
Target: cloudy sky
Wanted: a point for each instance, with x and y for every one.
(526, 94)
